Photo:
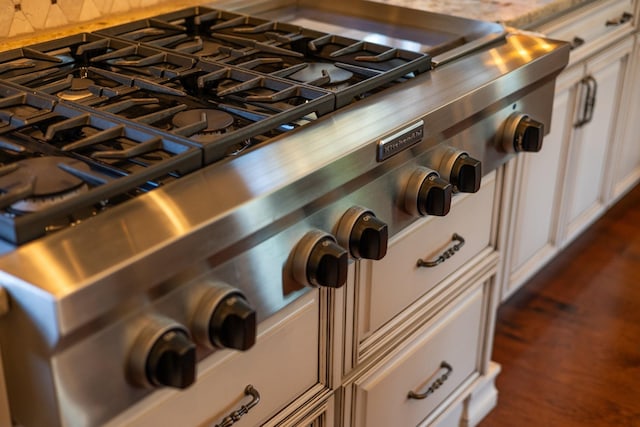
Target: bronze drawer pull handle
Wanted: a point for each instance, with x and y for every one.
(626, 17)
(235, 416)
(446, 254)
(436, 384)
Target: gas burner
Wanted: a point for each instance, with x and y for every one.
(317, 71)
(200, 47)
(78, 90)
(216, 122)
(36, 183)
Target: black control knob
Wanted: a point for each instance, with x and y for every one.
(172, 360)
(363, 233)
(434, 196)
(522, 133)
(319, 261)
(466, 174)
(529, 135)
(233, 324)
(223, 318)
(427, 193)
(162, 354)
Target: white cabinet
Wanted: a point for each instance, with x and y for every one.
(426, 330)
(537, 181)
(412, 382)
(440, 374)
(625, 167)
(556, 193)
(283, 367)
(584, 193)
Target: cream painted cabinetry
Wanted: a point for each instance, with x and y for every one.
(590, 144)
(285, 367)
(560, 191)
(625, 167)
(416, 341)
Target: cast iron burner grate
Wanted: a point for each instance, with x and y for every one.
(87, 68)
(113, 115)
(280, 49)
(63, 165)
(149, 86)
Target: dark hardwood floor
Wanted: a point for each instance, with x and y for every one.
(569, 340)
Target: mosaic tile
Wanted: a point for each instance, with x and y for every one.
(20, 24)
(7, 9)
(55, 17)
(71, 8)
(35, 11)
(104, 6)
(89, 11)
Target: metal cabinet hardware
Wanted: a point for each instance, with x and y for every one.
(235, 416)
(625, 17)
(576, 42)
(589, 100)
(459, 243)
(435, 384)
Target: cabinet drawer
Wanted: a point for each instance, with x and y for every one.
(388, 286)
(381, 397)
(282, 365)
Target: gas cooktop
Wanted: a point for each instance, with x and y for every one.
(91, 120)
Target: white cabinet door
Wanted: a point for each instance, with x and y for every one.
(626, 164)
(564, 188)
(538, 181)
(589, 149)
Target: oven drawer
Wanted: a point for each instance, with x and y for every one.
(281, 366)
(446, 351)
(388, 286)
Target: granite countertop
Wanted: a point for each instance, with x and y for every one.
(514, 13)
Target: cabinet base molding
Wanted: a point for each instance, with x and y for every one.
(482, 399)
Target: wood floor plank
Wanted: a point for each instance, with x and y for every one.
(569, 340)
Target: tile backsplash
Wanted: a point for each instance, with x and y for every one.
(19, 17)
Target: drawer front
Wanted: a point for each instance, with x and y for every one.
(314, 413)
(388, 286)
(449, 348)
(282, 365)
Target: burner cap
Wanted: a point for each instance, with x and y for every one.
(52, 184)
(313, 71)
(78, 90)
(216, 120)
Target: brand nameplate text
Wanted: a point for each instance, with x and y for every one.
(400, 141)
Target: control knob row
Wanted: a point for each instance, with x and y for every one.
(429, 191)
(164, 352)
(321, 260)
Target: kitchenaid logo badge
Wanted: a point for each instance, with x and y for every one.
(400, 141)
